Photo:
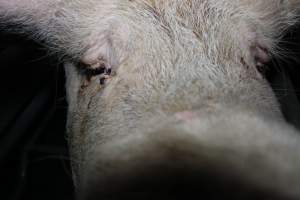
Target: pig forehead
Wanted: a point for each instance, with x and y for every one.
(180, 17)
(183, 21)
(166, 33)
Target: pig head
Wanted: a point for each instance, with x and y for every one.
(167, 97)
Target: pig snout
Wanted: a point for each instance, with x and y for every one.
(181, 161)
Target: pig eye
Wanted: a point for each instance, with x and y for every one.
(102, 72)
(90, 72)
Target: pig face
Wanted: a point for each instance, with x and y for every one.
(166, 89)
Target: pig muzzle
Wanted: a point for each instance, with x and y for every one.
(172, 163)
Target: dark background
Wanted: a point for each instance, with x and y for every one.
(34, 161)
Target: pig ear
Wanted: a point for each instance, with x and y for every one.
(38, 19)
(71, 29)
(49, 21)
(273, 19)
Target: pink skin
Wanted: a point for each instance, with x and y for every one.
(261, 55)
(186, 116)
(258, 49)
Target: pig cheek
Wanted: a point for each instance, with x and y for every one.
(80, 95)
(80, 121)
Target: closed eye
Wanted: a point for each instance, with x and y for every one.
(90, 72)
(101, 71)
(95, 72)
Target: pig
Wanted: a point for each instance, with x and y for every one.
(166, 97)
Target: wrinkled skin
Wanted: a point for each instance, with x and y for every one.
(185, 107)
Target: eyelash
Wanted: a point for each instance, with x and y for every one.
(91, 72)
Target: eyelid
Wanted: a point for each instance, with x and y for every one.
(89, 71)
(95, 71)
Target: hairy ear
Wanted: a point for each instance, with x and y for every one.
(267, 22)
(67, 27)
(39, 19)
(272, 17)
